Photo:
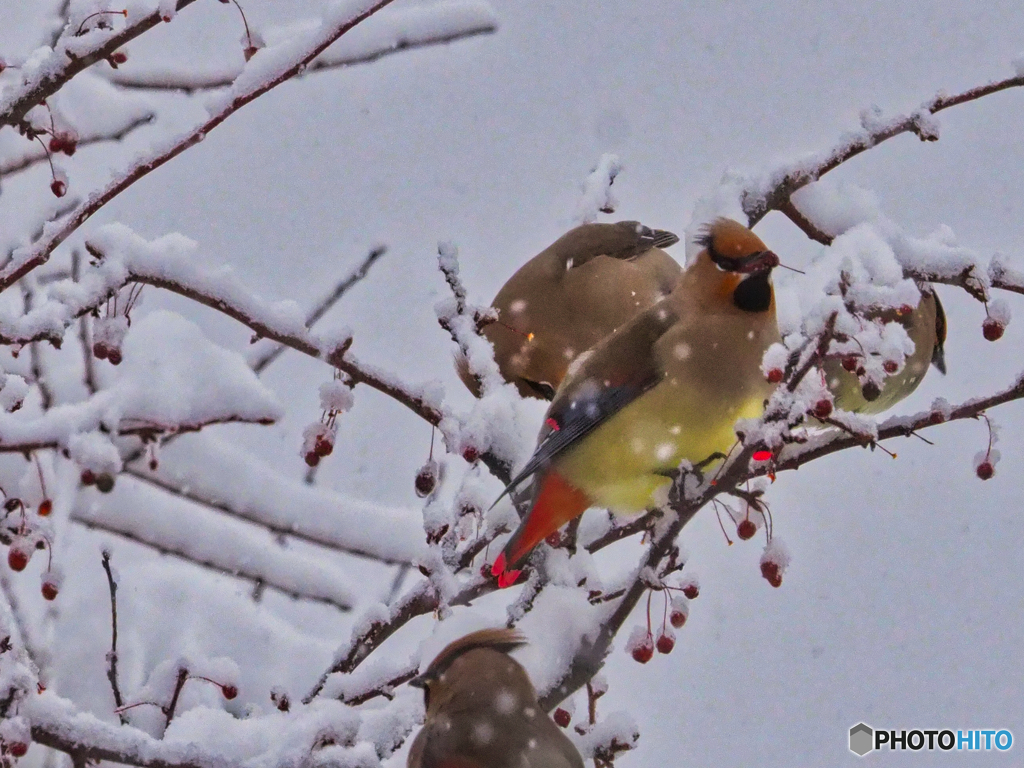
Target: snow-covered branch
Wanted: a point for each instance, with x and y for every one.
(266, 70)
(772, 190)
(401, 30)
(73, 53)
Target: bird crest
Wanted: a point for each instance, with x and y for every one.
(498, 638)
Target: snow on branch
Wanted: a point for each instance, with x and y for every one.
(230, 481)
(267, 69)
(168, 263)
(772, 190)
(43, 75)
(386, 34)
(142, 515)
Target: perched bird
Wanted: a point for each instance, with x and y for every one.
(571, 295)
(926, 326)
(667, 386)
(482, 710)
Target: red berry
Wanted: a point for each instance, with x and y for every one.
(100, 350)
(88, 477)
(746, 529)
(771, 573)
(426, 479)
(58, 187)
(992, 329)
(229, 691)
(761, 455)
(666, 643)
(17, 748)
(114, 356)
(823, 408)
(470, 454)
(323, 447)
(50, 590)
(677, 619)
(870, 391)
(312, 459)
(17, 559)
(850, 363)
(691, 591)
(118, 57)
(562, 718)
(904, 309)
(56, 144)
(890, 366)
(553, 539)
(45, 507)
(774, 376)
(645, 652)
(985, 470)
(166, 19)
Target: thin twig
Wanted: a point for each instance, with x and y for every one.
(30, 159)
(326, 303)
(112, 656)
(172, 705)
(191, 83)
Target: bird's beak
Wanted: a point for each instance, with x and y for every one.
(418, 682)
(939, 359)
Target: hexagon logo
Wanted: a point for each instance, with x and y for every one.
(862, 739)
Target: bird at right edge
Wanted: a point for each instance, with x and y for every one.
(667, 387)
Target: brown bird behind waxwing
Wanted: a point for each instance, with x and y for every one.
(926, 326)
(571, 295)
(482, 710)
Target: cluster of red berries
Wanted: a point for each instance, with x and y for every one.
(318, 443)
(102, 351)
(642, 643)
(24, 542)
(103, 481)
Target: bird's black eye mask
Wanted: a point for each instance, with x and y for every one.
(754, 294)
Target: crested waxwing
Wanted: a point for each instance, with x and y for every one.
(926, 326)
(482, 710)
(666, 387)
(571, 295)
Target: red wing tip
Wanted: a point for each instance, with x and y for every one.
(499, 565)
(507, 579)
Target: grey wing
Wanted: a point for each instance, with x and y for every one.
(591, 395)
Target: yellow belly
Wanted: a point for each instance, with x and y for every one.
(617, 464)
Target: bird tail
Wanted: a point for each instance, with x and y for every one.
(557, 503)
